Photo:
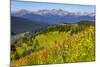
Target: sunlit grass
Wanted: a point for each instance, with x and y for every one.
(62, 47)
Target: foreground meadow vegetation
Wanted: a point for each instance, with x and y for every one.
(57, 44)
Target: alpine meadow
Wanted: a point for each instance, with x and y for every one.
(51, 33)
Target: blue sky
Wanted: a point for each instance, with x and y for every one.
(34, 6)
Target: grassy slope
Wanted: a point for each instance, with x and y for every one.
(61, 47)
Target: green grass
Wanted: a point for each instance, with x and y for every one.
(50, 38)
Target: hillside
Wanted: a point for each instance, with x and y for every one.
(20, 25)
(56, 44)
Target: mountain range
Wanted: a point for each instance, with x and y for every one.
(54, 16)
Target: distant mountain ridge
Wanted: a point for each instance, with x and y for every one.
(54, 16)
(59, 12)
